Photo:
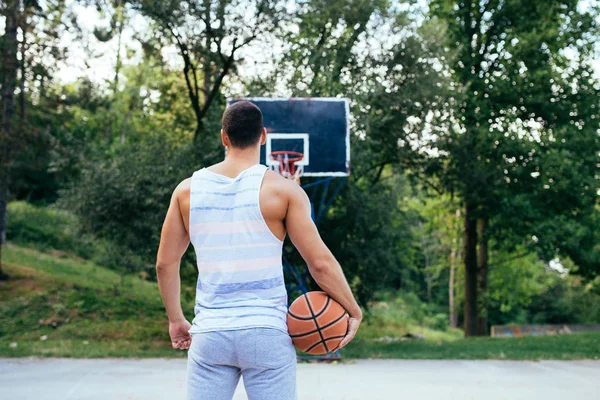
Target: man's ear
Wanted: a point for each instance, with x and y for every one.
(224, 138)
(263, 136)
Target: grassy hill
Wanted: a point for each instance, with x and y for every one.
(58, 305)
(55, 305)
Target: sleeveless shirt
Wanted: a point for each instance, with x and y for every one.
(240, 274)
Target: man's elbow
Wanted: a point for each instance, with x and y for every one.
(163, 267)
(320, 267)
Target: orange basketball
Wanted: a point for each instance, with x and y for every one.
(316, 323)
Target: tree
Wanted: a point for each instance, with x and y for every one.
(30, 50)
(210, 35)
(121, 191)
(118, 21)
(8, 56)
(521, 104)
(440, 234)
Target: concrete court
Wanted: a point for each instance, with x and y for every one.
(153, 379)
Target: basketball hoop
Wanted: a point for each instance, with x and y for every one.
(286, 164)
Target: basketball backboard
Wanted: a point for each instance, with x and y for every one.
(316, 127)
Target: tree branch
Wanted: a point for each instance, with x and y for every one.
(509, 259)
(188, 64)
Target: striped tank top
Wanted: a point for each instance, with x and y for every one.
(240, 274)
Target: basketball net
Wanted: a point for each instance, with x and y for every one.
(286, 164)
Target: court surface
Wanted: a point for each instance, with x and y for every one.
(150, 379)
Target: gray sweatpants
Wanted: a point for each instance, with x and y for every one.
(265, 357)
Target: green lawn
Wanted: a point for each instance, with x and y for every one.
(560, 347)
(60, 306)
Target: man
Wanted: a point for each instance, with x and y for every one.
(236, 214)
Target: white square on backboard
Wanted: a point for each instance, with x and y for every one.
(283, 136)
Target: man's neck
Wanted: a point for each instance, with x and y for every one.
(240, 157)
(237, 160)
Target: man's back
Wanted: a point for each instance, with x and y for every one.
(275, 193)
(240, 276)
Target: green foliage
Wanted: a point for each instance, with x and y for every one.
(44, 227)
(211, 53)
(124, 199)
(514, 283)
(138, 148)
(525, 290)
(404, 313)
(54, 229)
(524, 128)
(369, 237)
(39, 164)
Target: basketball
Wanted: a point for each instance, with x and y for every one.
(316, 323)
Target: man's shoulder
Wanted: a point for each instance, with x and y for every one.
(285, 189)
(183, 189)
(273, 179)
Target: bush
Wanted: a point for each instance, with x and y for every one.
(123, 198)
(437, 321)
(46, 228)
(405, 309)
(49, 228)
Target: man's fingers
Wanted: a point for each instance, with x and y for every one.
(345, 341)
(352, 329)
(181, 344)
(181, 338)
(349, 336)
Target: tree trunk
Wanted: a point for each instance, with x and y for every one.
(199, 130)
(482, 278)
(428, 276)
(9, 65)
(22, 99)
(451, 307)
(470, 243)
(455, 255)
(3, 192)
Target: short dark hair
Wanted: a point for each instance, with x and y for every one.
(243, 123)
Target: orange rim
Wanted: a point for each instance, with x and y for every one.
(295, 155)
(292, 158)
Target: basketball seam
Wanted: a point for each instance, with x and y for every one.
(316, 323)
(318, 328)
(300, 318)
(315, 316)
(324, 307)
(316, 344)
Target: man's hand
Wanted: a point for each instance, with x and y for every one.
(353, 324)
(180, 335)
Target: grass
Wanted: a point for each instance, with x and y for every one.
(55, 305)
(559, 347)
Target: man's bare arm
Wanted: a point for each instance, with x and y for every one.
(174, 241)
(322, 265)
